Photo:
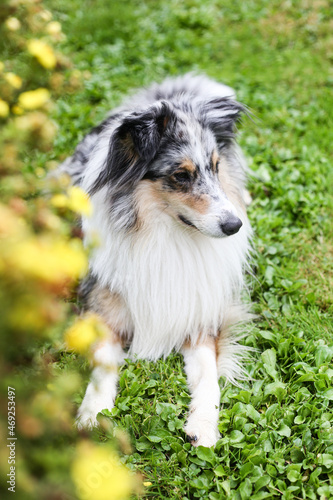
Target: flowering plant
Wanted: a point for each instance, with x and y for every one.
(40, 263)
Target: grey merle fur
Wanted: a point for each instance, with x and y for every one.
(149, 142)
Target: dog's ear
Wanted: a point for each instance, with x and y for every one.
(133, 145)
(221, 115)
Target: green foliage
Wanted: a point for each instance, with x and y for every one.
(42, 454)
(276, 431)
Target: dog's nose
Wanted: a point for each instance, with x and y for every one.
(232, 225)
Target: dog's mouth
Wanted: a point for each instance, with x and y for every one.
(187, 222)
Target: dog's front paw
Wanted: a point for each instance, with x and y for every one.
(201, 431)
(86, 417)
(86, 420)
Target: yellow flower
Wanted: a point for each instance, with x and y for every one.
(59, 201)
(54, 262)
(77, 200)
(14, 80)
(27, 316)
(17, 110)
(34, 99)
(4, 109)
(85, 332)
(99, 475)
(13, 24)
(46, 15)
(38, 126)
(11, 226)
(147, 483)
(53, 28)
(43, 53)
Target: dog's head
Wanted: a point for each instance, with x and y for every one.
(176, 150)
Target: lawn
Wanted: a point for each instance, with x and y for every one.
(276, 431)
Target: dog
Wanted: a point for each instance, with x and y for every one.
(167, 183)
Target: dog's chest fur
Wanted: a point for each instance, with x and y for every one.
(189, 280)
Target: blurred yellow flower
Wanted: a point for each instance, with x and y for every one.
(13, 24)
(53, 28)
(59, 201)
(34, 99)
(147, 483)
(99, 475)
(76, 199)
(43, 53)
(4, 109)
(28, 316)
(17, 110)
(11, 226)
(1, 66)
(38, 126)
(79, 201)
(52, 261)
(85, 332)
(14, 80)
(46, 15)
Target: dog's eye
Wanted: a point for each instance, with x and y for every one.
(182, 177)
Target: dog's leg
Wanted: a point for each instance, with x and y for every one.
(201, 370)
(107, 355)
(102, 389)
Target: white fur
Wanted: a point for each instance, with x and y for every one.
(102, 389)
(177, 284)
(201, 371)
(188, 279)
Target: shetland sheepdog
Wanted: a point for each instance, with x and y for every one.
(166, 181)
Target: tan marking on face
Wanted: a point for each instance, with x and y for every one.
(149, 200)
(215, 159)
(198, 203)
(187, 165)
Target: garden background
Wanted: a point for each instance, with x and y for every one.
(63, 65)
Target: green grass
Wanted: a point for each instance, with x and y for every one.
(276, 432)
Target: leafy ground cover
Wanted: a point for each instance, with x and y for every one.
(276, 432)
